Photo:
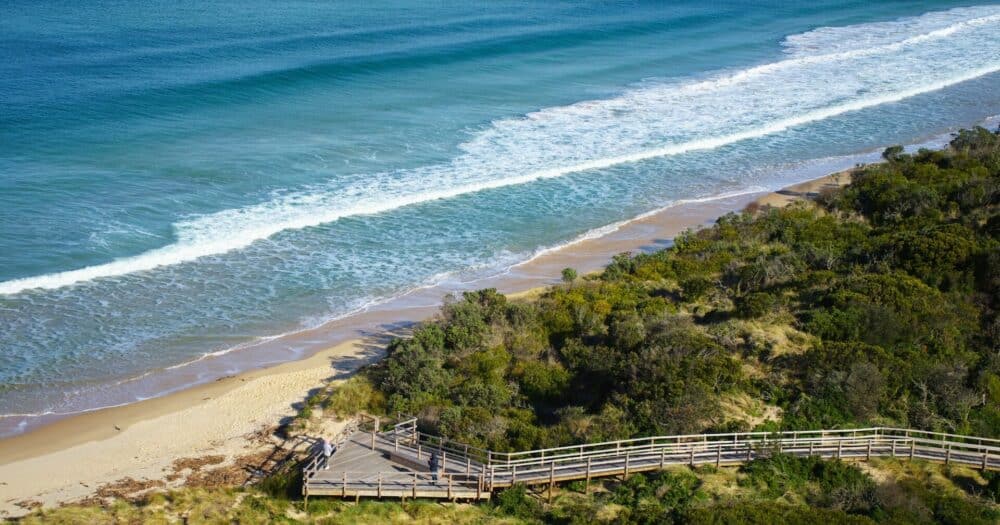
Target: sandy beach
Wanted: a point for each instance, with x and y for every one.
(232, 419)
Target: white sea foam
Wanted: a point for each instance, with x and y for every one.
(827, 72)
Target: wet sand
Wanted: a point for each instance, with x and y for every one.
(71, 457)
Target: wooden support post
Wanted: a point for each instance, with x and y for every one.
(749, 450)
(947, 455)
(986, 459)
(492, 478)
(811, 447)
(479, 488)
(627, 456)
(373, 440)
(379, 485)
(691, 459)
(586, 486)
(343, 491)
(913, 448)
(552, 479)
(395, 442)
(468, 465)
(893, 452)
(489, 457)
(718, 456)
(663, 457)
(444, 461)
(513, 475)
(868, 452)
(415, 484)
(840, 447)
(449, 487)
(418, 450)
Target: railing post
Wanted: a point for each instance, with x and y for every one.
(868, 453)
(986, 459)
(586, 486)
(913, 448)
(468, 465)
(379, 485)
(718, 456)
(395, 442)
(444, 460)
(552, 479)
(947, 455)
(627, 456)
(513, 475)
(489, 458)
(749, 449)
(415, 484)
(840, 447)
(419, 447)
(449, 486)
(691, 460)
(893, 452)
(811, 448)
(663, 457)
(343, 490)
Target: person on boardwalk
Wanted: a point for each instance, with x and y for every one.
(327, 452)
(434, 464)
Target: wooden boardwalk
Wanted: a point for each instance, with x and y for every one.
(395, 462)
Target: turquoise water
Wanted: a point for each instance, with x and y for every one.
(179, 178)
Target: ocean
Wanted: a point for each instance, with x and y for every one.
(181, 180)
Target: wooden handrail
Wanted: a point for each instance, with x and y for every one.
(682, 442)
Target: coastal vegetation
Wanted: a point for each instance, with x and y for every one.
(875, 304)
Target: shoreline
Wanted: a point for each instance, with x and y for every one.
(227, 417)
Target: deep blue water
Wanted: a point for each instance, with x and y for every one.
(178, 178)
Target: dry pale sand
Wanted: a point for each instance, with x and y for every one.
(805, 190)
(69, 459)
